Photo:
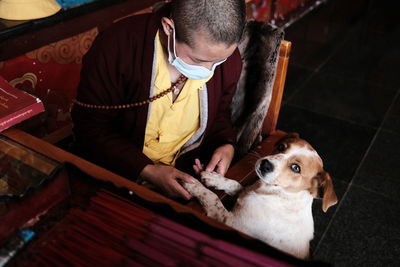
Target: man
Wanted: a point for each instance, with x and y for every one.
(155, 90)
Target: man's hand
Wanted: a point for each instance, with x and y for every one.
(220, 160)
(167, 179)
(198, 167)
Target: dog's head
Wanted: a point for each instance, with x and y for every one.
(295, 166)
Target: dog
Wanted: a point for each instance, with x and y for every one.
(277, 208)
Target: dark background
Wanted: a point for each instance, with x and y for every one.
(342, 95)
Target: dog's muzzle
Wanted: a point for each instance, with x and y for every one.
(265, 167)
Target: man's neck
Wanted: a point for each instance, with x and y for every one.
(173, 72)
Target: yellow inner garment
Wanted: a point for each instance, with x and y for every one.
(171, 124)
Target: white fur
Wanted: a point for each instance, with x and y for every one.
(304, 151)
(301, 151)
(264, 210)
(281, 219)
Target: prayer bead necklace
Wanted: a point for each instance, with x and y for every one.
(174, 88)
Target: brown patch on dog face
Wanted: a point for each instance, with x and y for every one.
(285, 143)
(295, 164)
(298, 167)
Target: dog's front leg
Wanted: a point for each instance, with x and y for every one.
(219, 182)
(210, 201)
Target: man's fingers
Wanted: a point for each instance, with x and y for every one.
(197, 162)
(182, 192)
(179, 190)
(212, 164)
(185, 177)
(220, 169)
(196, 169)
(175, 189)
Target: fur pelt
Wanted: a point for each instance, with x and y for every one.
(259, 49)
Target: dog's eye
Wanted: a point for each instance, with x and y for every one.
(281, 147)
(295, 168)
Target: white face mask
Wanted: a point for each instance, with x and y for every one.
(193, 72)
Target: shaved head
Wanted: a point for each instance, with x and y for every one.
(222, 20)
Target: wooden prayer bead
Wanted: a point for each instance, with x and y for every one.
(182, 79)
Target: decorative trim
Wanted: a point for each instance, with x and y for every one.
(70, 50)
(29, 76)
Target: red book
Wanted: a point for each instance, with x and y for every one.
(16, 105)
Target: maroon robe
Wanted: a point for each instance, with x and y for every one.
(117, 70)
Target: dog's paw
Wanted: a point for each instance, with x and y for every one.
(219, 182)
(211, 179)
(195, 189)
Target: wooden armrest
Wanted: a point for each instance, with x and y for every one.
(271, 119)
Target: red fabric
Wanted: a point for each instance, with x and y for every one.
(283, 7)
(55, 85)
(117, 70)
(52, 73)
(259, 10)
(63, 78)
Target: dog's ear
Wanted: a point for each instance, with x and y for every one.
(322, 187)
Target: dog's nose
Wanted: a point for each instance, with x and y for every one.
(266, 166)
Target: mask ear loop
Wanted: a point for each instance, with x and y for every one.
(174, 40)
(171, 57)
(173, 30)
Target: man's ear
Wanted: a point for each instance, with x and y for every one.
(322, 187)
(168, 25)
